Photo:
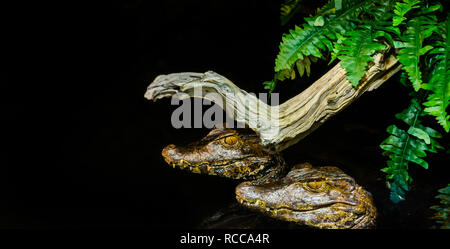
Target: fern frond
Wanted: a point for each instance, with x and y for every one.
(312, 39)
(288, 9)
(403, 147)
(401, 8)
(382, 10)
(356, 50)
(270, 85)
(442, 210)
(439, 82)
(418, 29)
(328, 9)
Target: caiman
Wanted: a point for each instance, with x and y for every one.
(320, 197)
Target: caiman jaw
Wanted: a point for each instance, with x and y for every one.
(241, 168)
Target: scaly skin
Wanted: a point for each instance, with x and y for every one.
(227, 153)
(323, 197)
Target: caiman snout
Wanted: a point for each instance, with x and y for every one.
(184, 157)
(179, 156)
(168, 152)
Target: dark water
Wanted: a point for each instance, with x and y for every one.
(83, 145)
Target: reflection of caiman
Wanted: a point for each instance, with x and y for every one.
(323, 197)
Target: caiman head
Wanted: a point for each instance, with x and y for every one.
(224, 152)
(323, 197)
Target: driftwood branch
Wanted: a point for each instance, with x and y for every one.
(283, 125)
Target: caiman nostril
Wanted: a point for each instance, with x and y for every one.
(169, 149)
(168, 153)
(170, 146)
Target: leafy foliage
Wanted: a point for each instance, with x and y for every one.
(315, 37)
(442, 214)
(439, 83)
(355, 52)
(416, 41)
(403, 147)
(418, 29)
(353, 31)
(288, 9)
(401, 8)
(270, 85)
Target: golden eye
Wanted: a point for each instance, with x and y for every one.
(315, 186)
(230, 140)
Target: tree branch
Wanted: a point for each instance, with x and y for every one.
(283, 125)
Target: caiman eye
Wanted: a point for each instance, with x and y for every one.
(315, 186)
(229, 141)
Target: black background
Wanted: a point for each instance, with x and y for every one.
(82, 145)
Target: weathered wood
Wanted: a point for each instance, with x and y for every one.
(283, 125)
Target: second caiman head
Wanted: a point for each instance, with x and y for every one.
(230, 153)
(322, 197)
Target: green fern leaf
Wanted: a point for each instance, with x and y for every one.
(355, 52)
(298, 44)
(270, 85)
(442, 210)
(418, 29)
(356, 47)
(419, 134)
(328, 9)
(401, 8)
(311, 40)
(403, 147)
(439, 83)
(288, 9)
